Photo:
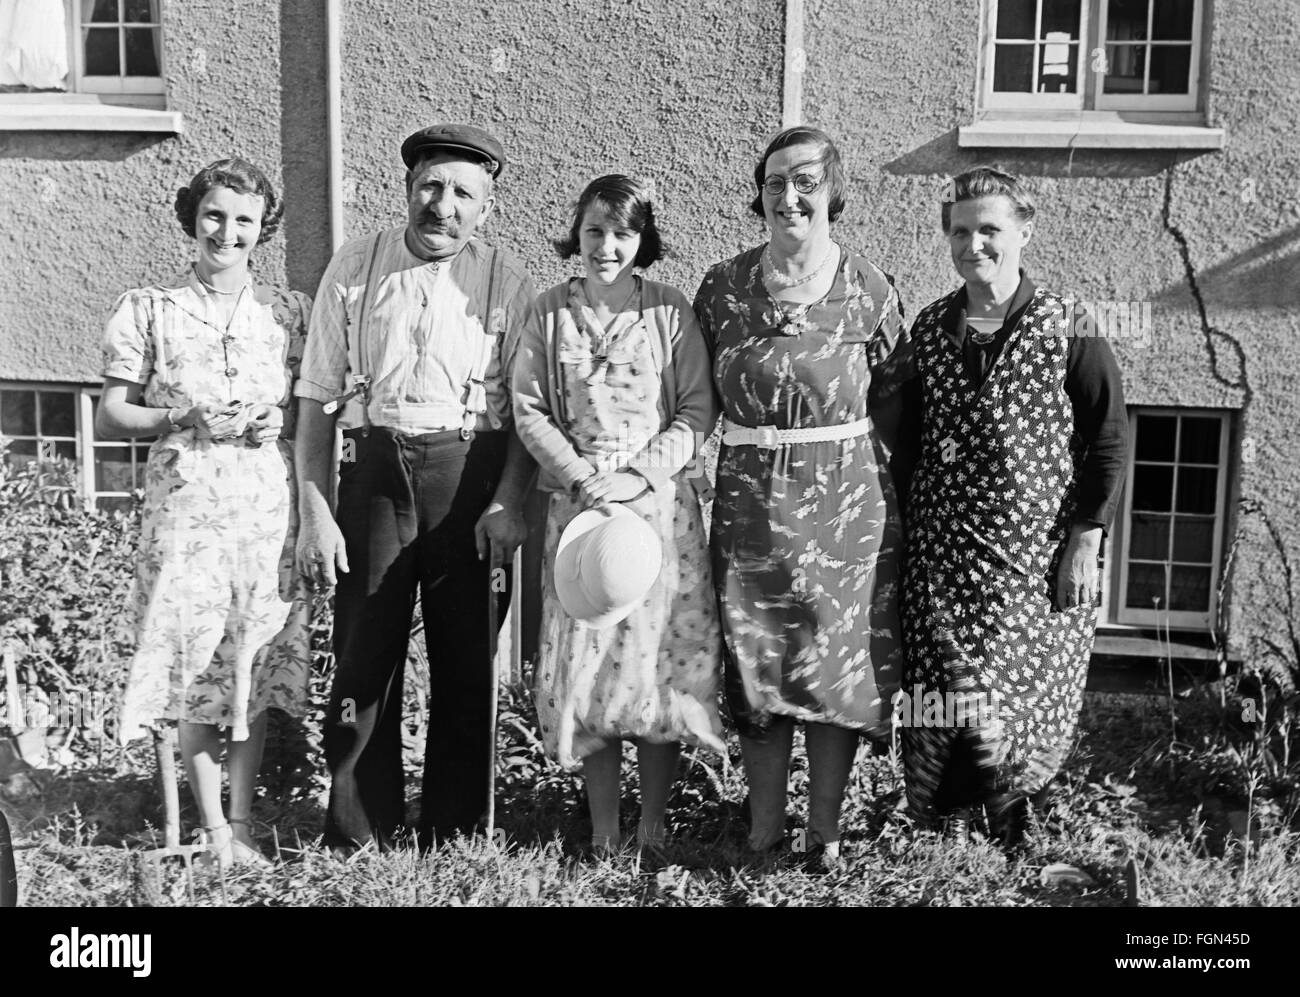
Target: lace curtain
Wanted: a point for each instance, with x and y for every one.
(33, 44)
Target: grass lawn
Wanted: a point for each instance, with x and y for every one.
(1175, 802)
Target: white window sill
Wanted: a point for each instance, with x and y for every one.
(73, 114)
(1089, 132)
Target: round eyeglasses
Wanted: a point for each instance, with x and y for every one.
(804, 183)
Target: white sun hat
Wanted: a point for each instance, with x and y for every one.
(605, 563)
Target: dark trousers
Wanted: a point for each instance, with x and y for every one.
(407, 508)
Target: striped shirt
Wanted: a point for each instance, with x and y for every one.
(425, 335)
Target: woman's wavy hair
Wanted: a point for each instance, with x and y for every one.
(242, 177)
(629, 203)
(837, 184)
(986, 181)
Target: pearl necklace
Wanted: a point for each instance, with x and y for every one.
(213, 290)
(777, 277)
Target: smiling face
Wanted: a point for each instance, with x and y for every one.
(607, 246)
(226, 227)
(448, 198)
(986, 239)
(793, 217)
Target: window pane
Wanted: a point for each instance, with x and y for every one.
(1172, 20)
(118, 504)
(1197, 487)
(1190, 589)
(18, 413)
(1171, 68)
(141, 53)
(1126, 20)
(1126, 65)
(1153, 488)
(58, 413)
(101, 52)
(1193, 540)
(1155, 437)
(1016, 18)
(1056, 71)
(1146, 583)
(102, 10)
(22, 451)
(1013, 69)
(140, 11)
(1150, 537)
(113, 469)
(1061, 15)
(1199, 443)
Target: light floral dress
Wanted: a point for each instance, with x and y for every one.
(655, 675)
(222, 616)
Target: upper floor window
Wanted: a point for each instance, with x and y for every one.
(1123, 55)
(107, 47)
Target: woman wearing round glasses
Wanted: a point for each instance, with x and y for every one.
(806, 529)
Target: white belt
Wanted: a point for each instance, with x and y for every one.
(769, 437)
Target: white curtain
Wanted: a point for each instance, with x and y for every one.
(33, 44)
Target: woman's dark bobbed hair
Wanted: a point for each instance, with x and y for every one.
(242, 177)
(630, 203)
(837, 185)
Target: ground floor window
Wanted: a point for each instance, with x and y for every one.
(48, 422)
(1165, 553)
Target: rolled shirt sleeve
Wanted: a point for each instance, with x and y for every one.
(324, 369)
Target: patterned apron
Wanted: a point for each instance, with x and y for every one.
(992, 503)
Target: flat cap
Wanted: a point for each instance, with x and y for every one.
(462, 138)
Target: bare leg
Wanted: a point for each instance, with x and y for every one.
(200, 746)
(657, 764)
(601, 773)
(831, 751)
(244, 759)
(767, 769)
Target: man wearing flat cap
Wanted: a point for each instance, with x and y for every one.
(412, 336)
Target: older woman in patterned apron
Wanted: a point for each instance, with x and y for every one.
(807, 534)
(205, 362)
(1021, 459)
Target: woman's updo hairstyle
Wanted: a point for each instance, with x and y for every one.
(242, 177)
(629, 203)
(985, 181)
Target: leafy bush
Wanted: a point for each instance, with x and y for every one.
(66, 573)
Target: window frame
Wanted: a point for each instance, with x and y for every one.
(85, 442)
(1112, 611)
(1090, 99)
(117, 86)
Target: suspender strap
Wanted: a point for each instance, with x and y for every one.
(367, 299)
(476, 384)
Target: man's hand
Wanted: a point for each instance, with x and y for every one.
(1077, 577)
(610, 486)
(264, 423)
(499, 531)
(320, 550)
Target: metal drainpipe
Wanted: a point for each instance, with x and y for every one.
(796, 60)
(334, 112)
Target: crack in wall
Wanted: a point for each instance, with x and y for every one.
(1210, 333)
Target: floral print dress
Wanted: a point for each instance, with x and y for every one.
(807, 538)
(222, 616)
(654, 676)
(992, 500)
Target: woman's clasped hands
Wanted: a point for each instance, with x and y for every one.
(603, 487)
(259, 423)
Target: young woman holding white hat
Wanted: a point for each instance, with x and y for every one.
(611, 396)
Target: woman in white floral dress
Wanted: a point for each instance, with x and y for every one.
(205, 362)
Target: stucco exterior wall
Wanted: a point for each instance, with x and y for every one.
(682, 93)
(893, 89)
(89, 215)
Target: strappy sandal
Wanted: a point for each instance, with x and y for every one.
(247, 854)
